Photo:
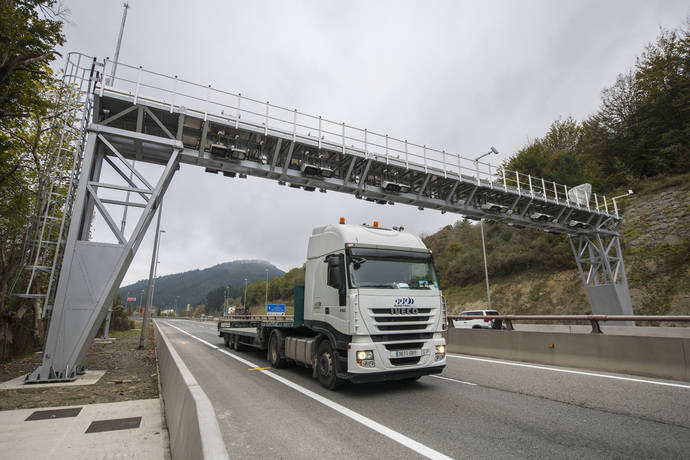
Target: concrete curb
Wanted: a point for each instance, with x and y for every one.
(192, 424)
(660, 357)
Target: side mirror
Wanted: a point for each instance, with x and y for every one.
(336, 276)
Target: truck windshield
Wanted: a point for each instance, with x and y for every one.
(392, 272)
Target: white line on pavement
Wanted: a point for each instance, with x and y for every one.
(568, 371)
(366, 421)
(453, 380)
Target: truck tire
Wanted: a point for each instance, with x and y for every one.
(327, 367)
(226, 340)
(238, 346)
(276, 350)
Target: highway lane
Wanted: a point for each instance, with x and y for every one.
(481, 408)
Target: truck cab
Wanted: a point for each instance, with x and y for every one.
(373, 292)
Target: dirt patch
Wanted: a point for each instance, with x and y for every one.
(131, 374)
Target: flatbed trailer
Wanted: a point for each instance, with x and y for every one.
(239, 334)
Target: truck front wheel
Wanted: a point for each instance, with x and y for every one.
(326, 367)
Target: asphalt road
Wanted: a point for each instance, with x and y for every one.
(478, 408)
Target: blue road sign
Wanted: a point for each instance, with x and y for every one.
(275, 309)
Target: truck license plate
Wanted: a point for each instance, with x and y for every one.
(406, 353)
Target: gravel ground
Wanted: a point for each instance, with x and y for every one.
(130, 374)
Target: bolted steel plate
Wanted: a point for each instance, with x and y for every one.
(99, 426)
(54, 413)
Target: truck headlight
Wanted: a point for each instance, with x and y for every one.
(365, 354)
(365, 358)
(441, 349)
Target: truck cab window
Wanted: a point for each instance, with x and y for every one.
(392, 272)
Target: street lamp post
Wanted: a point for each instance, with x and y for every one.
(486, 271)
(615, 204)
(244, 302)
(267, 286)
(225, 300)
(481, 228)
(152, 275)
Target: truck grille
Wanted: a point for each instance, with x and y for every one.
(404, 336)
(404, 346)
(404, 327)
(386, 311)
(402, 320)
(405, 361)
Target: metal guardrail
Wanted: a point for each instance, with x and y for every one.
(593, 319)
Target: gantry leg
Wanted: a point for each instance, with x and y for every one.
(92, 271)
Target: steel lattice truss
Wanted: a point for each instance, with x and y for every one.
(599, 259)
(237, 148)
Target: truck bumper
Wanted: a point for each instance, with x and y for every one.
(394, 375)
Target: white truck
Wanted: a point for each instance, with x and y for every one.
(370, 310)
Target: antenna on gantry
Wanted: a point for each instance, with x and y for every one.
(119, 41)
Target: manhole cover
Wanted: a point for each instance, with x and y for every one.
(114, 424)
(54, 413)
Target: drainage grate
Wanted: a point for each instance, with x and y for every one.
(55, 413)
(115, 424)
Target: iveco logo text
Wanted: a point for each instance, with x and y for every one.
(404, 311)
(404, 301)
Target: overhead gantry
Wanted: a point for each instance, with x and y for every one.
(152, 118)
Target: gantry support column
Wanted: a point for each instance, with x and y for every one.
(600, 263)
(92, 271)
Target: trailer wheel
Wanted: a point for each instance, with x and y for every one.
(238, 346)
(327, 367)
(226, 340)
(276, 350)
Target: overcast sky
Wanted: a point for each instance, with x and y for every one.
(461, 76)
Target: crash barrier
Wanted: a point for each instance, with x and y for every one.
(661, 357)
(192, 425)
(506, 321)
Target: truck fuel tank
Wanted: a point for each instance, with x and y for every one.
(300, 349)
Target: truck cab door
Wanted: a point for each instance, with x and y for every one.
(334, 294)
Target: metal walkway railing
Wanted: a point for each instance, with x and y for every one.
(234, 108)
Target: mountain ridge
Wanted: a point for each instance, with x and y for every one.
(192, 286)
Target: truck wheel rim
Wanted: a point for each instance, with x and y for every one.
(325, 364)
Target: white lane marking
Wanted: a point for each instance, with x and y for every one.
(366, 421)
(568, 371)
(453, 380)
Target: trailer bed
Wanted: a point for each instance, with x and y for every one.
(250, 332)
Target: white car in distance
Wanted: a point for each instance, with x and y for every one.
(485, 323)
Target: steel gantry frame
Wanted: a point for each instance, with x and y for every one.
(153, 118)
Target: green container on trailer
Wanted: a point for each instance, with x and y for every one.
(299, 306)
